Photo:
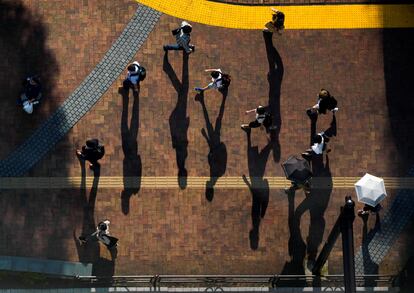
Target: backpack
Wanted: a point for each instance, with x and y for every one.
(280, 19)
(142, 73)
(226, 79)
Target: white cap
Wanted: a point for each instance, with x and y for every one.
(184, 23)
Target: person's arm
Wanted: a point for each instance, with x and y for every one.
(250, 111)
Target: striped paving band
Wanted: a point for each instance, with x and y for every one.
(338, 16)
(171, 182)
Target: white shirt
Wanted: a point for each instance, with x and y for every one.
(216, 83)
(133, 77)
(318, 147)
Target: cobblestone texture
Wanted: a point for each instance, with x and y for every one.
(84, 97)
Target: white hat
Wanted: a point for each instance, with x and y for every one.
(184, 23)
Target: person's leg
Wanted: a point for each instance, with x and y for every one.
(255, 124)
(127, 84)
(174, 47)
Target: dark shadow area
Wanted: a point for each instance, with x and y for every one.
(90, 251)
(316, 203)
(217, 156)
(23, 48)
(179, 121)
(274, 77)
(370, 267)
(132, 165)
(259, 187)
(398, 48)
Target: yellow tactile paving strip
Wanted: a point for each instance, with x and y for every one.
(170, 182)
(351, 16)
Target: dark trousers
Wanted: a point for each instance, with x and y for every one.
(266, 123)
(127, 84)
(177, 47)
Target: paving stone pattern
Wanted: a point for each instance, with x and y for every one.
(379, 242)
(84, 97)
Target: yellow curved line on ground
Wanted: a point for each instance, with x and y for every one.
(353, 16)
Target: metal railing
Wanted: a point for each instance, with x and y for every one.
(218, 281)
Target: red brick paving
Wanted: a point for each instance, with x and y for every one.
(178, 231)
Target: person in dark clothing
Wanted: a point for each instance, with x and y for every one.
(326, 102)
(367, 209)
(136, 73)
(263, 117)
(182, 36)
(31, 93)
(101, 234)
(92, 152)
(277, 24)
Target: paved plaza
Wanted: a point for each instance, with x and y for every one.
(157, 180)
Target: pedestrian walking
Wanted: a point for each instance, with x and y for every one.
(182, 36)
(367, 209)
(277, 24)
(326, 102)
(306, 186)
(318, 146)
(136, 74)
(31, 94)
(263, 117)
(219, 81)
(101, 234)
(92, 152)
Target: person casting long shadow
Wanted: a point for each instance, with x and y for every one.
(179, 121)
(217, 156)
(274, 77)
(132, 166)
(259, 187)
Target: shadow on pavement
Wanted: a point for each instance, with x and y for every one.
(132, 165)
(90, 252)
(259, 187)
(274, 77)
(24, 52)
(217, 156)
(179, 121)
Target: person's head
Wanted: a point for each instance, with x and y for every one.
(186, 27)
(215, 74)
(34, 80)
(260, 110)
(278, 20)
(102, 226)
(132, 68)
(323, 94)
(318, 138)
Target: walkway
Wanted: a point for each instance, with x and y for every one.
(84, 97)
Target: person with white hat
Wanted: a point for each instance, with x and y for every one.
(136, 73)
(182, 36)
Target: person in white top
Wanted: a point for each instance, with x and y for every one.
(216, 80)
(262, 118)
(133, 77)
(101, 234)
(318, 146)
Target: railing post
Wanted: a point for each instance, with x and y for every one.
(347, 231)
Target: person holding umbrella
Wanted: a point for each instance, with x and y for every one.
(299, 173)
(370, 190)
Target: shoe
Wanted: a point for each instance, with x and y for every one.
(198, 89)
(245, 127)
(306, 156)
(334, 110)
(192, 47)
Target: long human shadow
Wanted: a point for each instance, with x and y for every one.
(370, 267)
(90, 252)
(217, 156)
(259, 187)
(179, 121)
(274, 77)
(132, 165)
(316, 204)
(23, 47)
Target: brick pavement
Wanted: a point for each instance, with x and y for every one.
(179, 231)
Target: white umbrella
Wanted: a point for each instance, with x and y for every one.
(370, 190)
